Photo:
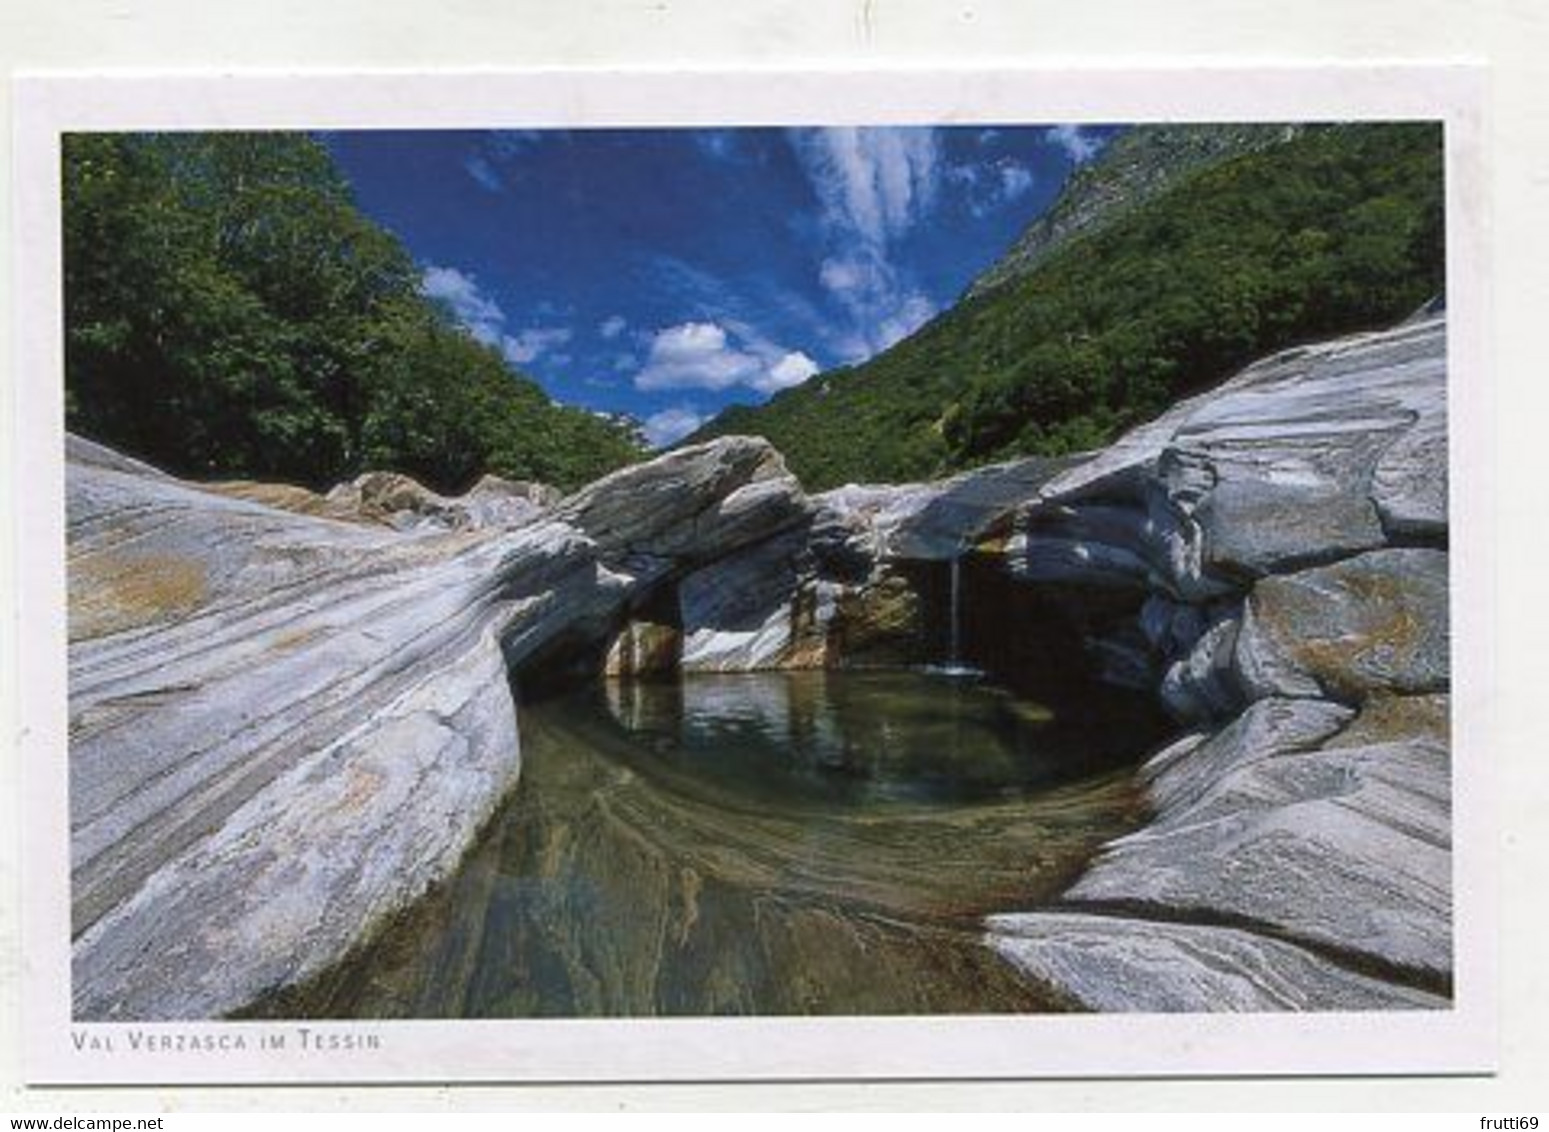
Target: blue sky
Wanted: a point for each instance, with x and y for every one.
(670, 273)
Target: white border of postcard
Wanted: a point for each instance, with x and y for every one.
(57, 1051)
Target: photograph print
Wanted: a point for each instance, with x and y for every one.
(622, 573)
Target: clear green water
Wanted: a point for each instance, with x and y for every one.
(754, 844)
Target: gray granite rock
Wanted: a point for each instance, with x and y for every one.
(1375, 623)
(1253, 527)
(739, 615)
(1313, 454)
(1203, 684)
(694, 504)
(284, 727)
(962, 509)
(1110, 963)
(1345, 846)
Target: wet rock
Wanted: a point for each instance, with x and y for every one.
(881, 623)
(644, 648)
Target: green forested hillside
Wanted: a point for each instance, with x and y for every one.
(1339, 229)
(229, 312)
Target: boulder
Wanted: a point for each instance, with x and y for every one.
(739, 615)
(395, 500)
(497, 502)
(1203, 685)
(693, 504)
(1375, 623)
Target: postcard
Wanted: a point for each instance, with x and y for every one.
(594, 576)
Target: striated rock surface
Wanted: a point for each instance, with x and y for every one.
(1122, 965)
(1286, 539)
(284, 728)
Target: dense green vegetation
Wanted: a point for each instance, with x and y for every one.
(1337, 230)
(230, 312)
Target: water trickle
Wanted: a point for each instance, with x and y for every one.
(957, 592)
(955, 665)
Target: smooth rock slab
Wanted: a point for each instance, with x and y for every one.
(1345, 846)
(1110, 963)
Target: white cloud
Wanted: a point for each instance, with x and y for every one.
(671, 425)
(694, 355)
(482, 317)
(612, 326)
(480, 314)
(793, 369)
(484, 173)
(1079, 145)
(873, 186)
(703, 355)
(847, 276)
(882, 305)
(533, 342)
(1014, 180)
(872, 182)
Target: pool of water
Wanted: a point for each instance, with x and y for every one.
(779, 843)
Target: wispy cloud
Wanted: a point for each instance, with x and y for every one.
(718, 145)
(883, 307)
(986, 187)
(714, 357)
(612, 326)
(1079, 144)
(484, 173)
(490, 162)
(479, 314)
(873, 186)
(671, 425)
(1015, 180)
(872, 182)
(484, 319)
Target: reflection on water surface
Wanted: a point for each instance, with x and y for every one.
(813, 842)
